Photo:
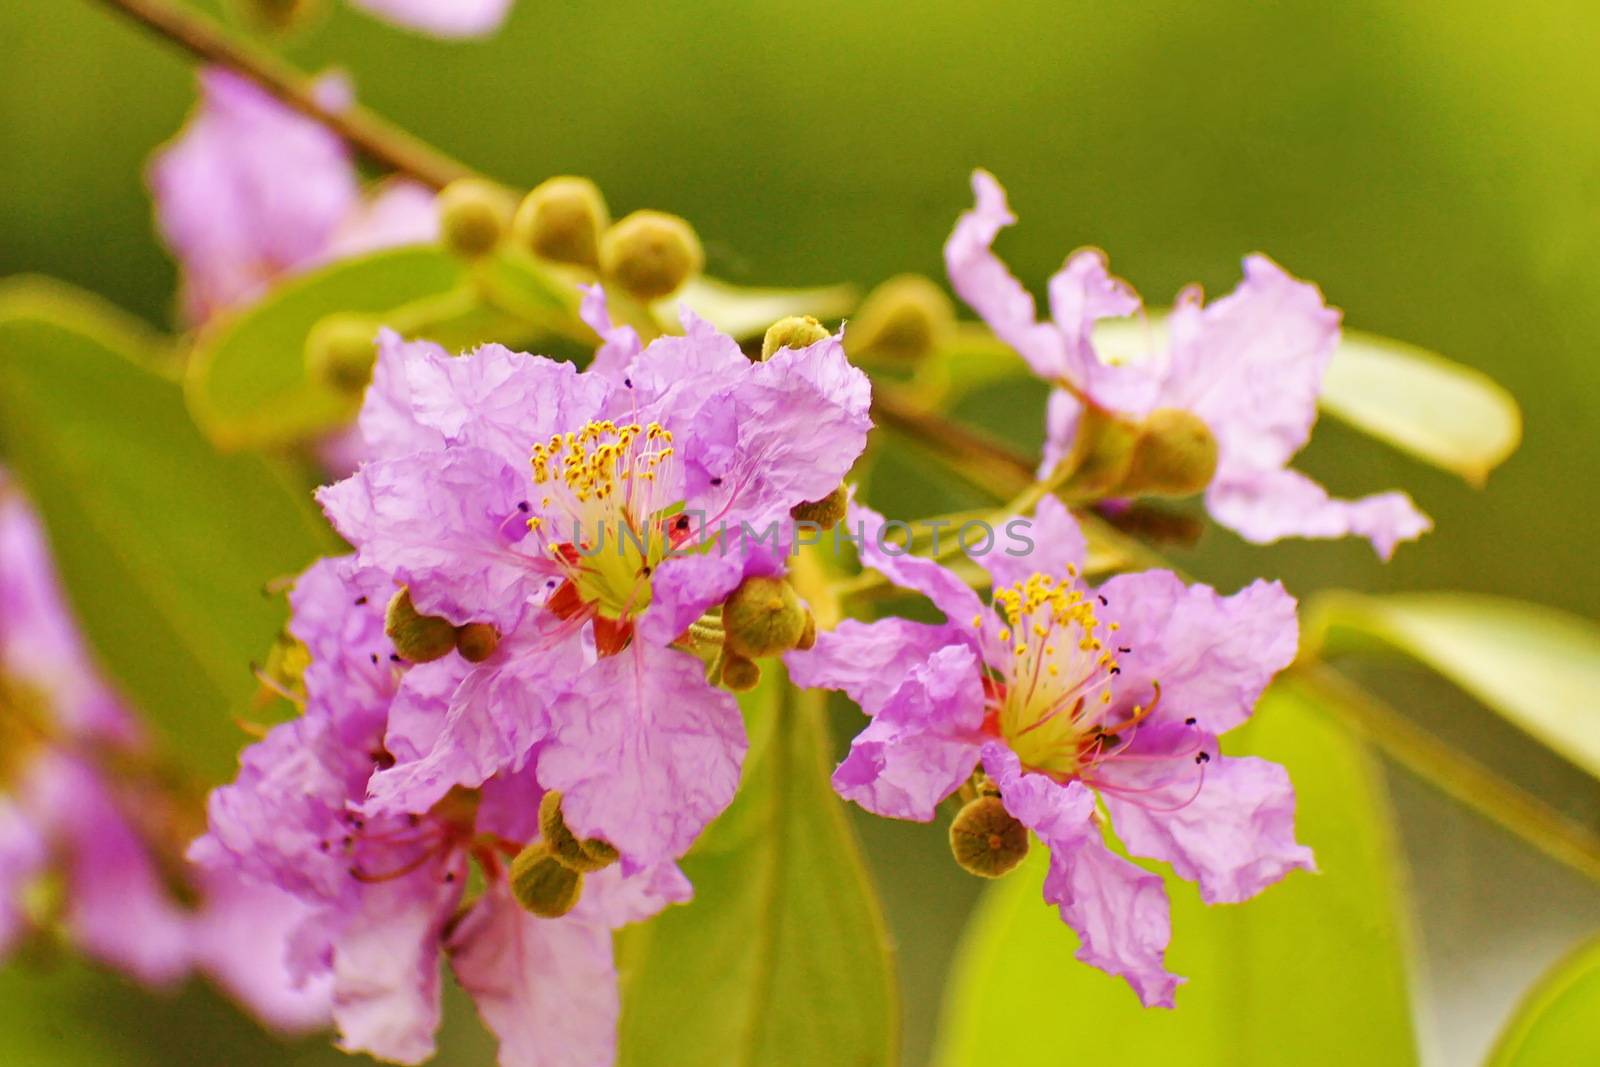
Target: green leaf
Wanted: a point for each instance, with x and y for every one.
(1312, 971)
(781, 959)
(163, 545)
(1441, 412)
(743, 312)
(248, 384)
(1536, 666)
(1558, 1024)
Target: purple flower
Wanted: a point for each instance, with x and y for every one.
(1063, 692)
(442, 18)
(386, 896)
(1249, 365)
(592, 560)
(76, 812)
(251, 191)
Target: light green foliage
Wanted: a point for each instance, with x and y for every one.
(781, 959)
(1558, 1025)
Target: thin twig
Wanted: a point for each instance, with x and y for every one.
(373, 136)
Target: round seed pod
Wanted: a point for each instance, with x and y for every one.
(986, 839)
(796, 331)
(650, 254)
(418, 638)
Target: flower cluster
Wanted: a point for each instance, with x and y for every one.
(90, 836)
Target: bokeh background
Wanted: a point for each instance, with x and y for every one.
(1433, 164)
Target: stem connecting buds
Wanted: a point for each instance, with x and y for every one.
(650, 254)
(986, 839)
(562, 220)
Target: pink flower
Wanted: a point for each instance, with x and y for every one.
(592, 560)
(1249, 365)
(251, 192)
(73, 807)
(386, 896)
(1063, 692)
(442, 18)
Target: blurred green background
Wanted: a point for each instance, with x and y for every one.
(1433, 164)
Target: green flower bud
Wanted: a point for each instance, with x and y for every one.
(417, 638)
(796, 331)
(1175, 455)
(986, 839)
(476, 641)
(825, 513)
(340, 352)
(650, 254)
(739, 674)
(1105, 448)
(543, 884)
(905, 318)
(473, 216)
(584, 856)
(763, 617)
(562, 220)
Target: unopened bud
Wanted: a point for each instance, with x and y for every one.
(763, 617)
(473, 216)
(543, 884)
(476, 641)
(562, 220)
(739, 674)
(796, 331)
(808, 636)
(826, 513)
(650, 254)
(905, 318)
(584, 856)
(418, 638)
(986, 839)
(340, 352)
(1175, 455)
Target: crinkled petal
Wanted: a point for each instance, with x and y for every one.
(614, 899)
(939, 584)
(1263, 506)
(1048, 543)
(386, 965)
(1083, 292)
(423, 398)
(496, 717)
(1211, 655)
(619, 345)
(676, 374)
(1060, 429)
(644, 752)
(442, 18)
(1118, 910)
(547, 988)
(923, 744)
(248, 191)
(982, 280)
(241, 934)
(786, 434)
(1235, 838)
(448, 525)
(869, 661)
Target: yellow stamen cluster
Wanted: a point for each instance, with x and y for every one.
(594, 461)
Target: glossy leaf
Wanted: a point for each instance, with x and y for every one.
(781, 959)
(744, 312)
(1538, 667)
(248, 383)
(1312, 971)
(164, 546)
(1558, 1025)
(1441, 412)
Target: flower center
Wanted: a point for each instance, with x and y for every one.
(1053, 686)
(613, 495)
